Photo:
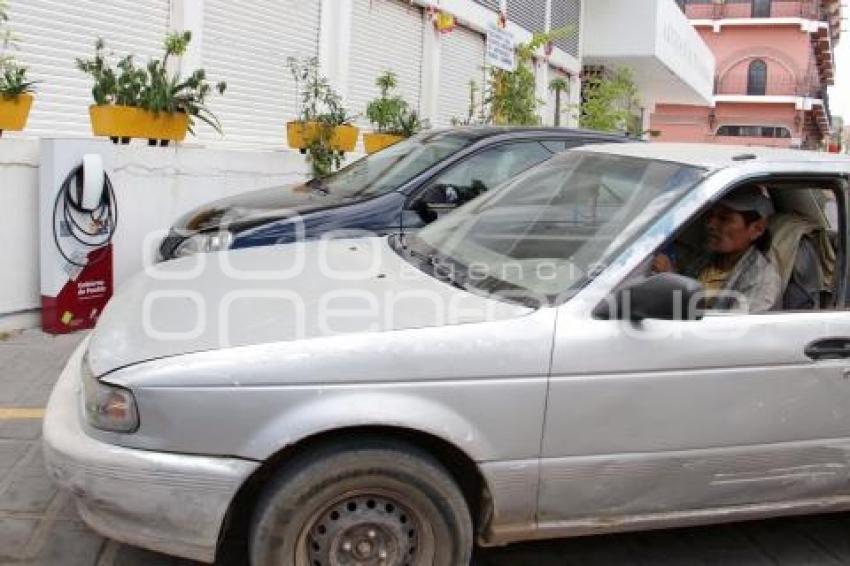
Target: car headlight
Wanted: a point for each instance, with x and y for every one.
(203, 243)
(108, 407)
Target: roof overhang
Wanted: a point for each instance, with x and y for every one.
(669, 60)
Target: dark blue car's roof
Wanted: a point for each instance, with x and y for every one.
(477, 133)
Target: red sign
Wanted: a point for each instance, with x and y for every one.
(81, 299)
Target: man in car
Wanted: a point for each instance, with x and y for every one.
(734, 262)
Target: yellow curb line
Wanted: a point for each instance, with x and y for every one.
(18, 413)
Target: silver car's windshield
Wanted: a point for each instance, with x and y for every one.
(387, 170)
(548, 231)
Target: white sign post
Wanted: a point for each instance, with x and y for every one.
(500, 48)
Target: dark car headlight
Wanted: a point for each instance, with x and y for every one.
(204, 242)
(108, 407)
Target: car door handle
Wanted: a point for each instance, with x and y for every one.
(829, 349)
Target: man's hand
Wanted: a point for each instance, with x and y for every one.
(662, 264)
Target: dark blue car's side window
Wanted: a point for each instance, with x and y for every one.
(475, 175)
(491, 167)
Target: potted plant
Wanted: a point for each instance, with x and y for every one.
(319, 106)
(511, 95)
(147, 102)
(390, 115)
(609, 103)
(15, 90)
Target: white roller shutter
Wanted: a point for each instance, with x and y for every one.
(246, 44)
(530, 14)
(51, 33)
(385, 35)
(567, 13)
(461, 60)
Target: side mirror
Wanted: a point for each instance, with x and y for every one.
(664, 296)
(440, 194)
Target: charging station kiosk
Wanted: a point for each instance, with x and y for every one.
(79, 216)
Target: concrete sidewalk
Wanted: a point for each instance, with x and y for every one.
(39, 526)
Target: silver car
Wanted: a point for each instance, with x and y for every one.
(514, 371)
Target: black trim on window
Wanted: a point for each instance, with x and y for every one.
(757, 78)
(761, 8)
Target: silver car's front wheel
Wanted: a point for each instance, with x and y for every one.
(380, 503)
(367, 529)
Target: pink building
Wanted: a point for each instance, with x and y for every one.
(774, 60)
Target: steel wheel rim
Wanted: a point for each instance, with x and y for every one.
(362, 528)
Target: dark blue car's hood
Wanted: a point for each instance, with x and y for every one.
(257, 207)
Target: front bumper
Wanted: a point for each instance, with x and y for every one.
(170, 503)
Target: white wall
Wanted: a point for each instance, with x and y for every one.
(19, 280)
(669, 60)
(153, 186)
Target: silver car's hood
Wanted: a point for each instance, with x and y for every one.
(277, 293)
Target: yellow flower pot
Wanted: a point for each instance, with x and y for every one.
(300, 134)
(376, 142)
(345, 138)
(128, 122)
(14, 112)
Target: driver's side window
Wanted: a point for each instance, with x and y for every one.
(475, 175)
(768, 246)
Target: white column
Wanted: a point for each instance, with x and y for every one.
(335, 43)
(541, 88)
(429, 100)
(188, 15)
(547, 109)
(574, 101)
(646, 113)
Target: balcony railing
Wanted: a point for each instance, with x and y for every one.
(806, 9)
(736, 84)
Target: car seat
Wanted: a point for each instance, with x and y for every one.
(805, 258)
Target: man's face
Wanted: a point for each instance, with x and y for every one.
(728, 232)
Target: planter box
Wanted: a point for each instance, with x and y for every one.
(14, 112)
(376, 142)
(300, 134)
(129, 122)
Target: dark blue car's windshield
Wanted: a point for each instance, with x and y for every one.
(387, 170)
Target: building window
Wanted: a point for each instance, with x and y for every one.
(761, 8)
(757, 78)
(754, 132)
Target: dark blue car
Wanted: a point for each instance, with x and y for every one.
(401, 188)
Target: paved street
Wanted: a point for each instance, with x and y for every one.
(38, 526)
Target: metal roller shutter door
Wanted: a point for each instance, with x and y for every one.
(385, 35)
(530, 14)
(51, 33)
(461, 60)
(246, 44)
(567, 13)
(494, 5)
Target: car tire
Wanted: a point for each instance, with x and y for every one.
(364, 502)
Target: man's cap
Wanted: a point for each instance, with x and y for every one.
(752, 197)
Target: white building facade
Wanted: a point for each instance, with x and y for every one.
(669, 60)
(247, 44)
